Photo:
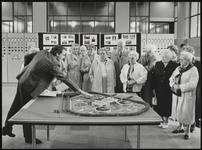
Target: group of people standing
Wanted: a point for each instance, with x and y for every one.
(173, 78)
(152, 76)
(175, 82)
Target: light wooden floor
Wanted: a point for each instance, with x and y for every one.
(97, 137)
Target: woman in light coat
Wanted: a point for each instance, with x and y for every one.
(133, 74)
(102, 73)
(87, 57)
(73, 65)
(183, 83)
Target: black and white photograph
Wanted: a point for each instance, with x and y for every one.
(90, 39)
(130, 38)
(67, 39)
(101, 74)
(50, 39)
(110, 39)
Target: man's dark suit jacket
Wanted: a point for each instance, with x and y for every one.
(38, 75)
(118, 64)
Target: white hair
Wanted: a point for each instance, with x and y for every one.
(33, 50)
(122, 41)
(83, 47)
(150, 48)
(30, 45)
(167, 52)
(188, 49)
(189, 56)
(135, 53)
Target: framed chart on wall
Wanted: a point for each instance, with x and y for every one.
(90, 39)
(110, 39)
(50, 39)
(67, 39)
(131, 39)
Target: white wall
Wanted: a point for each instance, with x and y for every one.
(122, 17)
(7, 11)
(39, 17)
(161, 11)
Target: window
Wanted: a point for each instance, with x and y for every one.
(175, 19)
(80, 17)
(139, 17)
(23, 17)
(7, 26)
(140, 20)
(195, 26)
(161, 27)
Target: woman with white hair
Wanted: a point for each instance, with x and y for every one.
(148, 61)
(183, 83)
(87, 58)
(133, 75)
(197, 64)
(160, 79)
(73, 61)
(102, 73)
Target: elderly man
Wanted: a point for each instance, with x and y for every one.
(120, 58)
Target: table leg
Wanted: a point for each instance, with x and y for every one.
(48, 133)
(33, 136)
(125, 133)
(138, 136)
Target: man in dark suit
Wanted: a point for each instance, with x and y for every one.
(35, 77)
(120, 58)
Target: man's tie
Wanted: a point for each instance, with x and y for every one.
(120, 54)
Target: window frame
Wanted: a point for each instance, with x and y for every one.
(197, 15)
(138, 16)
(50, 29)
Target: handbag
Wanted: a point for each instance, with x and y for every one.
(129, 88)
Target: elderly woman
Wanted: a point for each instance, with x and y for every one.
(197, 64)
(102, 73)
(73, 65)
(148, 61)
(183, 83)
(174, 50)
(133, 75)
(87, 57)
(160, 79)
